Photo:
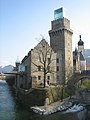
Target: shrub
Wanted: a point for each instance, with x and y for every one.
(85, 83)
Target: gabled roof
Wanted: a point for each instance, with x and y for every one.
(82, 57)
(42, 43)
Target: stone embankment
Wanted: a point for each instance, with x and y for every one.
(37, 96)
(52, 108)
(83, 95)
(2, 77)
(63, 111)
(69, 108)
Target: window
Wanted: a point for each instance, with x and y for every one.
(48, 68)
(57, 77)
(57, 60)
(25, 68)
(48, 60)
(39, 68)
(48, 77)
(57, 68)
(39, 77)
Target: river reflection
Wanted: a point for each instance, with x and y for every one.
(10, 109)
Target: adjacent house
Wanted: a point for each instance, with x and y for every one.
(87, 57)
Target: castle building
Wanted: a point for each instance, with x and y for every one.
(53, 63)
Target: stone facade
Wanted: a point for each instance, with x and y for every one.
(61, 43)
(23, 78)
(33, 71)
(40, 55)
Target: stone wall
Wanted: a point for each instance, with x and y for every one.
(2, 77)
(83, 96)
(38, 96)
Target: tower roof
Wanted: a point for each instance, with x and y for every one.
(80, 43)
(76, 51)
(82, 57)
(59, 13)
(17, 60)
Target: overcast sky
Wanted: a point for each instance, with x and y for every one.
(24, 22)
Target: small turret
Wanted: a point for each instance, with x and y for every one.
(17, 63)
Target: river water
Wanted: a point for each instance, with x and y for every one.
(10, 109)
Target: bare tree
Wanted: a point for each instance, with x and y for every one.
(45, 57)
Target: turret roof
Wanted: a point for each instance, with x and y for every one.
(80, 43)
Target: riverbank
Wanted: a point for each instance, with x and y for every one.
(52, 108)
(38, 96)
(35, 97)
(75, 112)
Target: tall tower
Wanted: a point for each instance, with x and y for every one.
(61, 42)
(82, 54)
